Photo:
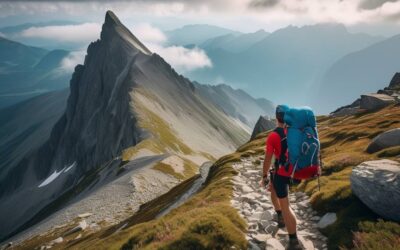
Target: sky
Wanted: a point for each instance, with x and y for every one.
(149, 19)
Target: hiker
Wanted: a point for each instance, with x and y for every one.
(283, 173)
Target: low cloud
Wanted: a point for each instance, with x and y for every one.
(183, 59)
(180, 58)
(80, 33)
(148, 34)
(74, 58)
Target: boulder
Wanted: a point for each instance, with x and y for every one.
(326, 220)
(263, 124)
(384, 140)
(377, 185)
(376, 101)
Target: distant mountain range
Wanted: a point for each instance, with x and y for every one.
(285, 65)
(196, 34)
(363, 71)
(27, 71)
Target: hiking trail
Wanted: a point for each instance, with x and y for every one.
(254, 205)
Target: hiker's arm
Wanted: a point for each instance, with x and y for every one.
(267, 163)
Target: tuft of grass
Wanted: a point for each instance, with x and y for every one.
(377, 235)
(335, 191)
(190, 169)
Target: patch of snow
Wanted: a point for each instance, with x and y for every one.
(71, 166)
(51, 178)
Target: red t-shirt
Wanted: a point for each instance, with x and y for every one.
(273, 146)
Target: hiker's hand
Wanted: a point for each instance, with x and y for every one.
(319, 171)
(265, 181)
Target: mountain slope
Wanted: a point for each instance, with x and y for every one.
(236, 103)
(124, 103)
(360, 72)
(16, 55)
(27, 71)
(27, 125)
(208, 218)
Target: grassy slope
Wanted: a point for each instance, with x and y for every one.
(207, 220)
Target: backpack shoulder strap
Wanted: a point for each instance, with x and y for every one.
(282, 158)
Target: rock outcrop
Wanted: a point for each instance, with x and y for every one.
(395, 82)
(377, 185)
(373, 101)
(384, 140)
(376, 101)
(263, 124)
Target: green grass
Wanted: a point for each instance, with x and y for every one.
(189, 169)
(378, 235)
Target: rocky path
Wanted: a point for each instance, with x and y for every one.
(254, 204)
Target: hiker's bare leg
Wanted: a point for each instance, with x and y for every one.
(274, 198)
(288, 215)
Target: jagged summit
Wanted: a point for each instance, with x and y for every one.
(113, 29)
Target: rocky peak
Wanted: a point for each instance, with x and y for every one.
(263, 124)
(395, 82)
(113, 29)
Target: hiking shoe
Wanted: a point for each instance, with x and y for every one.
(294, 244)
(281, 222)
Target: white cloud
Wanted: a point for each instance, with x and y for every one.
(80, 33)
(2, 35)
(74, 58)
(183, 59)
(148, 34)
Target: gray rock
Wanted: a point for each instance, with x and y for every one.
(375, 101)
(263, 124)
(384, 140)
(261, 237)
(377, 185)
(274, 244)
(395, 82)
(326, 220)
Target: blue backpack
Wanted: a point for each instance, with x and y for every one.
(302, 138)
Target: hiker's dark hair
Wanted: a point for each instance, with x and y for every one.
(280, 113)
